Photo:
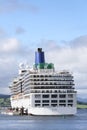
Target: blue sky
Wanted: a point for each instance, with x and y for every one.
(58, 19)
(59, 26)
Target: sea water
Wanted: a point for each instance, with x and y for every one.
(77, 122)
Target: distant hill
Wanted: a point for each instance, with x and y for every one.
(84, 100)
(5, 100)
(4, 96)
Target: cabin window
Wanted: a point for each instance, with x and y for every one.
(62, 105)
(54, 96)
(45, 101)
(70, 101)
(70, 105)
(62, 95)
(37, 96)
(37, 101)
(45, 105)
(36, 105)
(54, 101)
(45, 96)
(70, 95)
(62, 101)
(53, 105)
(41, 75)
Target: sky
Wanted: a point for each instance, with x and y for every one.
(58, 26)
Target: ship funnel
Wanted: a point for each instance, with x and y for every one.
(39, 56)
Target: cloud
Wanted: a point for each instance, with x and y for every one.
(78, 42)
(9, 45)
(12, 47)
(5, 90)
(20, 30)
(14, 5)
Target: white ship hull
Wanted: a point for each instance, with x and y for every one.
(43, 110)
(53, 111)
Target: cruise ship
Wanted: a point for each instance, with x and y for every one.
(41, 90)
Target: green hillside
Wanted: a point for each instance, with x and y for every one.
(82, 106)
(5, 100)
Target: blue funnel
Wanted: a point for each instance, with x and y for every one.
(39, 56)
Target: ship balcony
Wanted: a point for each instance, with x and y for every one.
(49, 79)
(51, 87)
(51, 83)
(47, 91)
(51, 91)
(71, 91)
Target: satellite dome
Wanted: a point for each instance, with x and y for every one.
(21, 66)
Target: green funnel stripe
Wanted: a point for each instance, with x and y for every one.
(44, 66)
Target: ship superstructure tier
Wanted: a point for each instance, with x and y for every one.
(42, 90)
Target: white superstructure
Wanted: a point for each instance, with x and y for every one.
(43, 91)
